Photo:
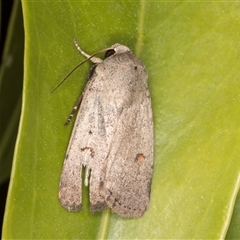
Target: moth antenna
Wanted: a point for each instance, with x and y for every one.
(71, 73)
(78, 67)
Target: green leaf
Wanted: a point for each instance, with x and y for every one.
(234, 227)
(191, 51)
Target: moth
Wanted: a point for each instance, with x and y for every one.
(112, 137)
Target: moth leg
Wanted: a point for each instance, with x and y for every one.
(76, 105)
(92, 59)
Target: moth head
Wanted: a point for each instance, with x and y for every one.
(116, 49)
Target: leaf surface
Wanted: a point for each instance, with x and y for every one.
(191, 51)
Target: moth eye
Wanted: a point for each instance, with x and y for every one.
(109, 53)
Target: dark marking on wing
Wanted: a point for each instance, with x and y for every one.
(140, 157)
(90, 149)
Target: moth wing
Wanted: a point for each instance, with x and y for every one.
(87, 137)
(128, 174)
